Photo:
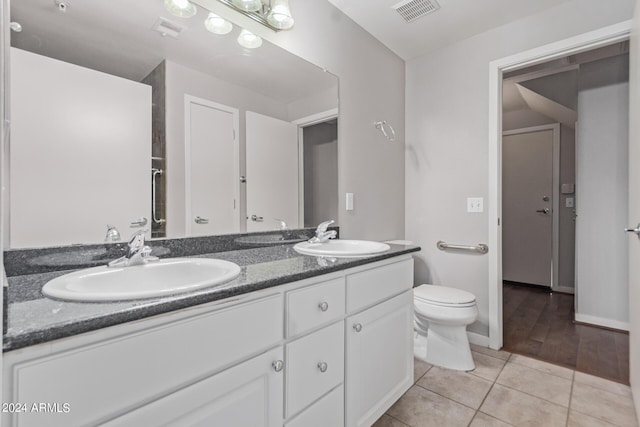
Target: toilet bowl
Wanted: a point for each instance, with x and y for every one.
(441, 318)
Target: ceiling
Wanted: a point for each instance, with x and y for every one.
(97, 34)
(455, 20)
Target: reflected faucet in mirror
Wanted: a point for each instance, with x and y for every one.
(322, 235)
(113, 235)
(138, 253)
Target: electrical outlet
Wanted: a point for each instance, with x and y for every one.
(349, 202)
(475, 204)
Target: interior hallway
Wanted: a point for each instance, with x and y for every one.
(539, 324)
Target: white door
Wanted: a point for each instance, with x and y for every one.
(602, 177)
(272, 172)
(212, 168)
(634, 210)
(379, 359)
(527, 192)
(246, 395)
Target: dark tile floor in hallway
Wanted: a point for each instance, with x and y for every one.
(539, 323)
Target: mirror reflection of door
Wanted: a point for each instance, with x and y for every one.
(527, 185)
(272, 172)
(212, 192)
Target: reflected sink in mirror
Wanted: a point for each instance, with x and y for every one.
(154, 279)
(342, 248)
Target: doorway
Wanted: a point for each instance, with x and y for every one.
(583, 43)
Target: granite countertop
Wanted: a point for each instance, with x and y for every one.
(34, 319)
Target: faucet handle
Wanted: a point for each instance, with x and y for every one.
(322, 227)
(137, 239)
(113, 235)
(283, 224)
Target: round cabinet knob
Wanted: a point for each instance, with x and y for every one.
(278, 365)
(322, 366)
(323, 306)
(357, 327)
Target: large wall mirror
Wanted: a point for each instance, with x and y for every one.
(125, 115)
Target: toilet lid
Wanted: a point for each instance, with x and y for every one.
(443, 295)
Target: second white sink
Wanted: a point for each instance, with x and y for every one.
(154, 279)
(342, 248)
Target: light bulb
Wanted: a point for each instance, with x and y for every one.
(217, 24)
(280, 15)
(181, 8)
(249, 40)
(248, 5)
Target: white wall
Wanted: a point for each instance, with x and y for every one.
(80, 152)
(447, 95)
(181, 80)
(372, 85)
(634, 210)
(602, 192)
(319, 102)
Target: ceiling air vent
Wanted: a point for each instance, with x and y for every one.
(168, 28)
(411, 10)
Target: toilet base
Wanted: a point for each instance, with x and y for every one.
(444, 346)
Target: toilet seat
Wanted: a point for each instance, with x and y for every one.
(444, 296)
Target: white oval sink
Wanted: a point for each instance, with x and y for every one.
(342, 248)
(154, 279)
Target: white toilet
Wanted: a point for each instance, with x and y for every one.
(441, 318)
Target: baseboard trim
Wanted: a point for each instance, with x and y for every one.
(564, 290)
(600, 321)
(478, 339)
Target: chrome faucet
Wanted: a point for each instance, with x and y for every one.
(322, 235)
(138, 253)
(113, 235)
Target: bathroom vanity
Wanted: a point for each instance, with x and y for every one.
(295, 341)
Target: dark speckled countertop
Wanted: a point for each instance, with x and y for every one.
(35, 319)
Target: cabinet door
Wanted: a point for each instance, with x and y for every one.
(247, 395)
(379, 358)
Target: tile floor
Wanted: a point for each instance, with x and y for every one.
(510, 390)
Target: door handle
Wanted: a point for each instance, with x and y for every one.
(199, 220)
(256, 218)
(544, 211)
(634, 230)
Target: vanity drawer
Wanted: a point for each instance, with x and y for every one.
(328, 411)
(124, 372)
(315, 365)
(371, 286)
(315, 305)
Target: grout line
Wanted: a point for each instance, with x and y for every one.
(398, 420)
(446, 397)
(573, 383)
(489, 392)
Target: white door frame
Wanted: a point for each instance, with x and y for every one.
(188, 100)
(555, 205)
(573, 45)
(302, 123)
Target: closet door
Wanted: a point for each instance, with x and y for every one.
(211, 168)
(272, 172)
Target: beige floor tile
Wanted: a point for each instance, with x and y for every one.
(548, 368)
(540, 384)
(520, 409)
(387, 421)
(422, 408)
(604, 405)
(420, 367)
(470, 390)
(484, 420)
(498, 354)
(487, 367)
(601, 383)
(576, 419)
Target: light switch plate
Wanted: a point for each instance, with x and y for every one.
(349, 202)
(475, 204)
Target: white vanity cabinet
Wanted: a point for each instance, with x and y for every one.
(330, 351)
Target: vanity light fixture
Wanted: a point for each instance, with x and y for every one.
(280, 15)
(249, 40)
(181, 8)
(217, 24)
(248, 5)
(273, 14)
